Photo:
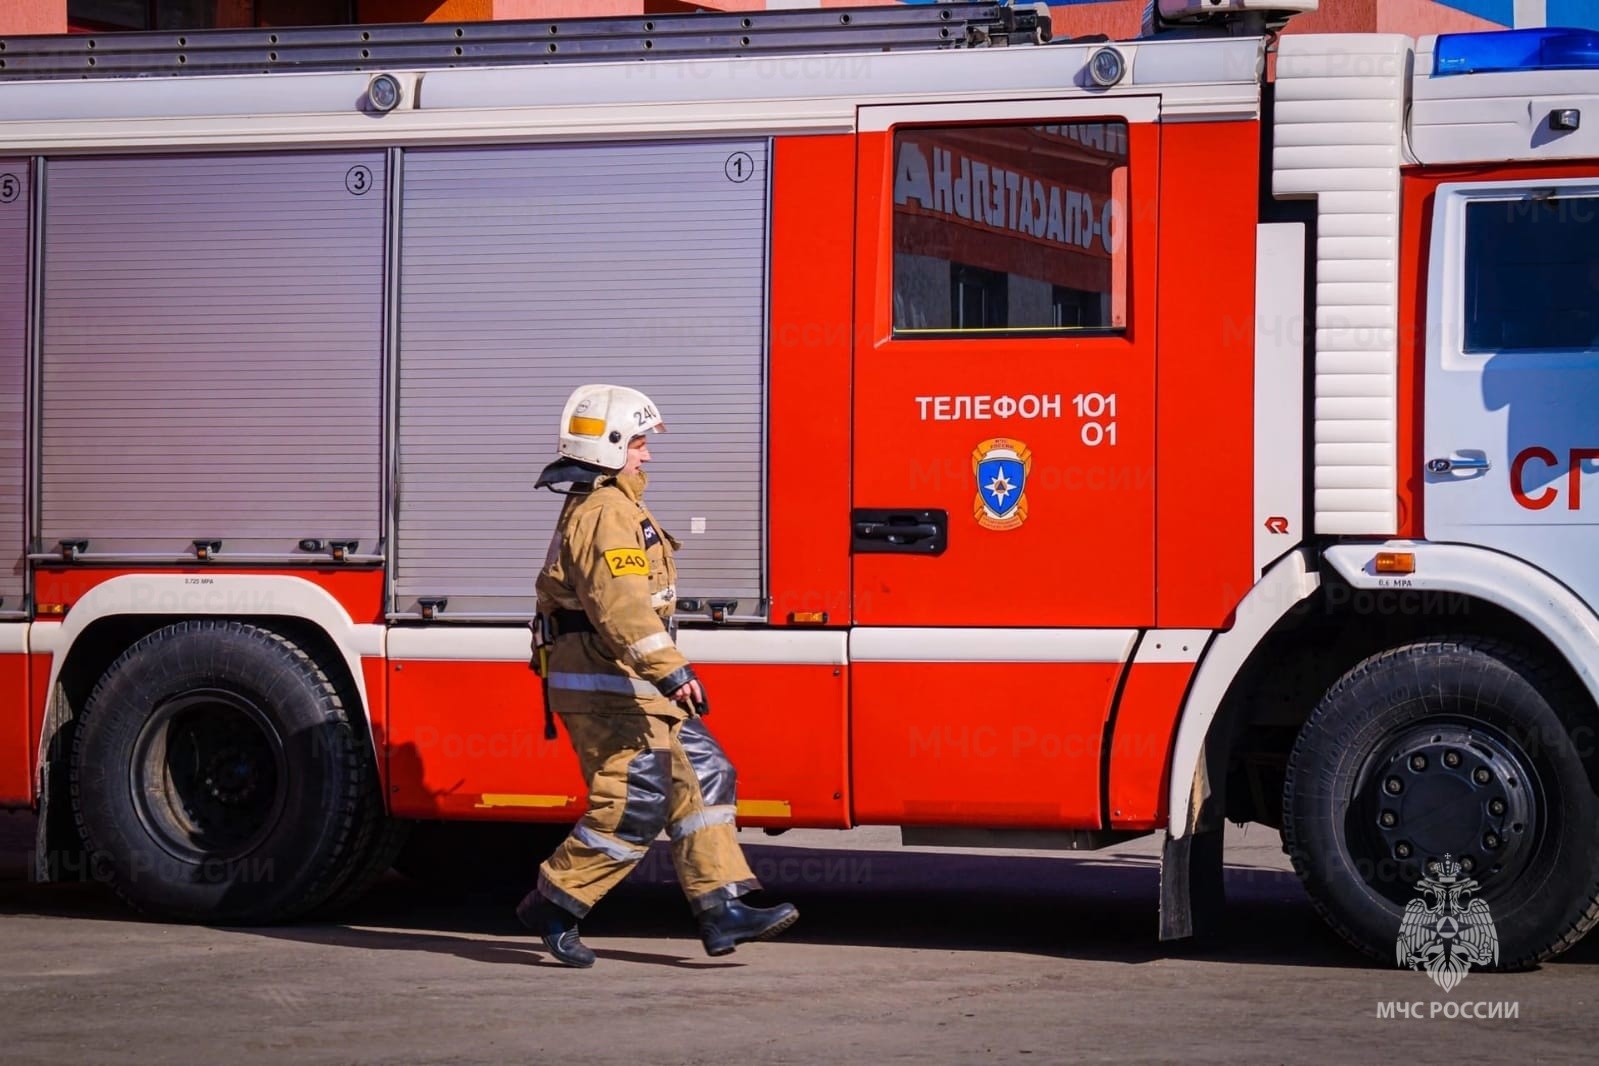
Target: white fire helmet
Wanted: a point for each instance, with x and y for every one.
(599, 420)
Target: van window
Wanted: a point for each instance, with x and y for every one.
(1532, 274)
(1010, 229)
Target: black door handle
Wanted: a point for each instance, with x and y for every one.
(906, 531)
(895, 534)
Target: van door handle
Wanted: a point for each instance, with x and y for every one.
(1458, 463)
(895, 534)
(911, 532)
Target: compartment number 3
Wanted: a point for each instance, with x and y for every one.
(358, 181)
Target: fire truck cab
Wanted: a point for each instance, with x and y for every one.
(1070, 439)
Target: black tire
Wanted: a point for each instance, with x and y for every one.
(382, 845)
(1451, 750)
(379, 838)
(216, 776)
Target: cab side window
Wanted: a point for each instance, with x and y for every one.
(1010, 229)
(1532, 274)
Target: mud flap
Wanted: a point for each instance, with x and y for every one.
(1192, 897)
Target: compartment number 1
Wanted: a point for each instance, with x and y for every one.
(1098, 412)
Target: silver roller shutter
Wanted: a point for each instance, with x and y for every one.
(529, 271)
(14, 258)
(213, 351)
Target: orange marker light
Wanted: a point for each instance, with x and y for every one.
(1396, 563)
(52, 610)
(808, 618)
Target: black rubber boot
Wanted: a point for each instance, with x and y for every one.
(729, 924)
(557, 927)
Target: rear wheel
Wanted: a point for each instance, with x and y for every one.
(1447, 759)
(379, 841)
(216, 776)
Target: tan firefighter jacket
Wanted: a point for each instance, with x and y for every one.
(610, 560)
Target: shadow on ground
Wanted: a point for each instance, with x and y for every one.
(1079, 906)
(1069, 908)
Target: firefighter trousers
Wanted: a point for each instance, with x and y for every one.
(647, 773)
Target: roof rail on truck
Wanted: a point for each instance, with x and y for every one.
(472, 44)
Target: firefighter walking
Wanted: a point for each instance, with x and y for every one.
(629, 699)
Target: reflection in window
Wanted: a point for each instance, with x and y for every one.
(111, 14)
(1006, 229)
(1532, 274)
(94, 15)
(304, 12)
(978, 297)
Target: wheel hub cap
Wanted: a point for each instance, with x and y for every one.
(1435, 793)
(209, 780)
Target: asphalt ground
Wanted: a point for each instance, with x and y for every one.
(900, 955)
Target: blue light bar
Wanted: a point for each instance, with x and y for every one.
(1545, 48)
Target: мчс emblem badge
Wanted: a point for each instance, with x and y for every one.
(1001, 467)
(1445, 932)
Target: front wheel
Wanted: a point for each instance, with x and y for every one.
(1446, 772)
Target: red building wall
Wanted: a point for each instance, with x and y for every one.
(1114, 18)
(1124, 18)
(49, 16)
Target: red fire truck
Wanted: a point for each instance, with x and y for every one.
(1071, 440)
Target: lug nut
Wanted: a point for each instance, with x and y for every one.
(1394, 786)
(1451, 759)
(1402, 850)
(1418, 762)
(1496, 806)
(1481, 775)
(1468, 864)
(1490, 841)
(1389, 819)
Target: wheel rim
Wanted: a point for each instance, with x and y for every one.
(1434, 792)
(209, 777)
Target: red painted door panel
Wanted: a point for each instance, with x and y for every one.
(930, 752)
(465, 739)
(1005, 370)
